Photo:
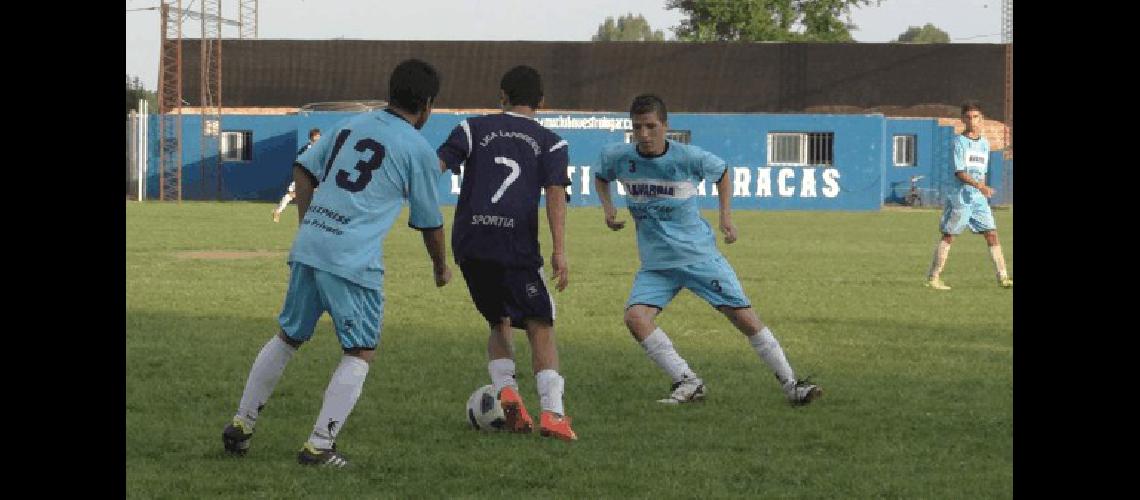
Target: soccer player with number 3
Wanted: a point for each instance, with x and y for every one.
(366, 168)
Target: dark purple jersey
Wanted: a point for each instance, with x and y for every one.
(507, 159)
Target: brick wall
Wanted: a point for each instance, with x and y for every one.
(993, 130)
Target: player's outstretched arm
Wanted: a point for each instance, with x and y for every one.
(556, 216)
(305, 185)
(603, 190)
(724, 196)
(437, 249)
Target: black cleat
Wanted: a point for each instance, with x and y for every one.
(235, 439)
(311, 455)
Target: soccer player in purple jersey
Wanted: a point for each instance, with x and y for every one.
(507, 159)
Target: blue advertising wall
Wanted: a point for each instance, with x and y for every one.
(862, 175)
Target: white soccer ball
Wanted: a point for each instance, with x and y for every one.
(484, 410)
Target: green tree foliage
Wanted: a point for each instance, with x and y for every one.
(926, 34)
(766, 20)
(627, 28)
(135, 91)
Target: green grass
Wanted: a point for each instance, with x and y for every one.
(917, 383)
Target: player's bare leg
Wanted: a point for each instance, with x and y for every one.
(687, 387)
(799, 392)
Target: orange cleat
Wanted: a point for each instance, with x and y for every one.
(551, 425)
(518, 420)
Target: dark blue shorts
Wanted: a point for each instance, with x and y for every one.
(507, 292)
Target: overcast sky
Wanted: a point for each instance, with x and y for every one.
(967, 21)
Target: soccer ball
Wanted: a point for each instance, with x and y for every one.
(484, 410)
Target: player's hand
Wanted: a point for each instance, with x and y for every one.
(613, 223)
(442, 276)
(729, 230)
(986, 190)
(561, 271)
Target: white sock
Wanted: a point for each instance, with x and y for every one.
(284, 202)
(941, 253)
(766, 345)
(340, 397)
(550, 386)
(999, 261)
(502, 373)
(660, 350)
(263, 376)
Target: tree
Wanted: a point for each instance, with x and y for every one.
(135, 91)
(766, 20)
(926, 34)
(628, 28)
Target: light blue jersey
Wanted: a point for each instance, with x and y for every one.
(661, 193)
(365, 168)
(966, 207)
(973, 157)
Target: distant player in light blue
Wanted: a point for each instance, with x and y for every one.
(966, 204)
(678, 250)
(366, 168)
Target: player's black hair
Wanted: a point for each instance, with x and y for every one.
(313, 132)
(971, 105)
(523, 86)
(413, 84)
(649, 103)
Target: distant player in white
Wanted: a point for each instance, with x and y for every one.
(314, 136)
(677, 248)
(966, 204)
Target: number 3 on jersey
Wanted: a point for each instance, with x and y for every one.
(514, 166)
(364, 167)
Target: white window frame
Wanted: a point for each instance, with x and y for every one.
(800, 140)
(909, 143)
(803, 143)
(242, 151)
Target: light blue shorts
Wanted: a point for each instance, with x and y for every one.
(713, 280)
(975, 214)
(356, 311)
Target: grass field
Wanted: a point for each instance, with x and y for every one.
(917, 383)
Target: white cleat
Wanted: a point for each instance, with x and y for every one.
(689, 390)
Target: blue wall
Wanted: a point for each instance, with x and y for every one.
(862, 176)
(265, 177)
(896, 180)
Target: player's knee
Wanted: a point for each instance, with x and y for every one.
(636, 319)
(948, 238)
(358, 352)
(292, 343)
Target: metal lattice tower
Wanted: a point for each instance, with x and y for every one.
(1006, 21)
(170, 103)
(210, 158)
(1007, 39)
(247, 17)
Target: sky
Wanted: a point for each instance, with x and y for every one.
(966, 21)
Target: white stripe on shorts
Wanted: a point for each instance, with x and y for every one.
(550, 296)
